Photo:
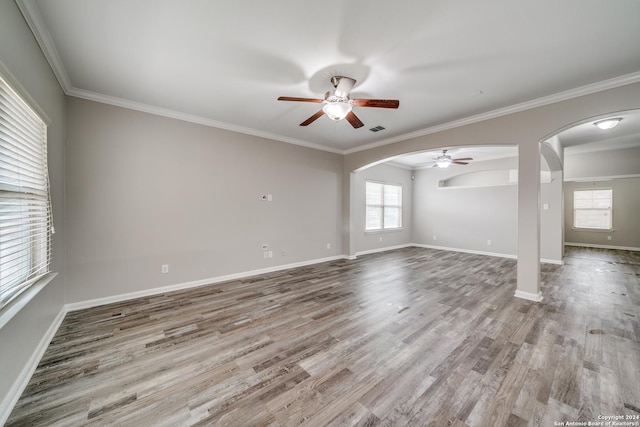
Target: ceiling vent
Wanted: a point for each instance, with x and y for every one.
(377, 129)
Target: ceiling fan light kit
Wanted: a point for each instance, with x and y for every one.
(444, 160)
(337, 110)
(608, 123)
(443, 163)
(338, 105)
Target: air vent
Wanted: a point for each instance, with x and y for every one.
(377, 129)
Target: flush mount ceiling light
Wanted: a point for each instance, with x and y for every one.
(608, 123)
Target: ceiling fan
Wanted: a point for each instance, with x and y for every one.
(445, 160)
(338, 105)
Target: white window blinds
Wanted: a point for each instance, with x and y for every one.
(25, 209)
(383, 206)
(592, 209)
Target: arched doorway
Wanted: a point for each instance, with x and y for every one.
(526, 129)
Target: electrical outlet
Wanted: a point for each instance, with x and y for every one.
(608, 237)
(284, 252)
(435, 237)
(328, 245)
(270, 254)
(265, 254)
(165, 268)
(488, 242)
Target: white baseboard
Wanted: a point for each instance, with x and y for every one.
(495, 254)
(586, 245)
(528, 295)
(194, 284)
(10, 400)
(467, 251)
(6, 406)
(552, 261)
(21, 383)
(388, 248)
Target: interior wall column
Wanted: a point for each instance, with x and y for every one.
(528, 265)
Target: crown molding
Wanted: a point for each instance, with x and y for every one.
(165, 112)
(516, 108)
(34, 19)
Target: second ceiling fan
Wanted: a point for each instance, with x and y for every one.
(445, 160)
(339, 106)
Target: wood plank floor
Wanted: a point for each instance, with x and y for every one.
(410, 337)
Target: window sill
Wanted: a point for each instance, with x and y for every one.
(11, 309)
(387, 230)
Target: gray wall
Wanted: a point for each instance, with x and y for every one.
(21, 57)
(372, 241)
(626, 211)
(465, 218)
(145, 190)
(612, 163)
(445, 213)
(579, 168)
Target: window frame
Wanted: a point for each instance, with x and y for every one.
(31, 193)
(607, 209)
(383, 207)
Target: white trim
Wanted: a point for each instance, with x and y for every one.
(468, 251)
(187, 285)
(18, 387)
(11, 309)
(138, 106)
(11, 398)
(495, 254)
(32, 16)
(23, 93)
(34, 19)
(528, 295)
(388, 248)
(552, 261)
(192, 118)
(601, 178)
(535, 103)
(587, 245)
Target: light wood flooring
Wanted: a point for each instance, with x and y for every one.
(410, 337)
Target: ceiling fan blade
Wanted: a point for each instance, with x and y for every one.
(462, 158)
(459, 163)
(378, 103)
(354, 120)
(292, 98)
(312, 118)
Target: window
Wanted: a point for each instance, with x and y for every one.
(592, 209)
(384, 206)
(25, 209)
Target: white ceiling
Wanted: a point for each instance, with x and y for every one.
(224, 63)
